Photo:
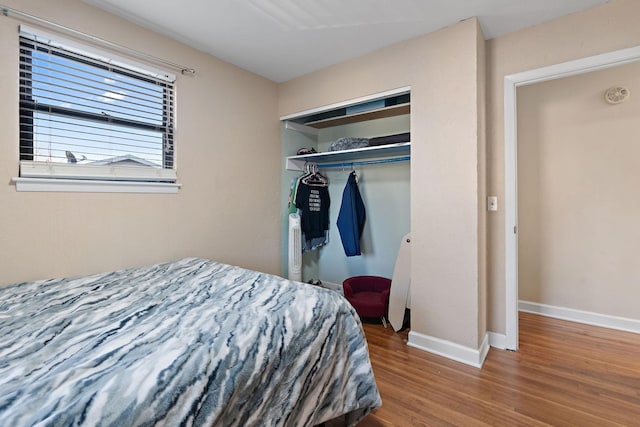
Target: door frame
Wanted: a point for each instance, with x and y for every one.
(511, 83)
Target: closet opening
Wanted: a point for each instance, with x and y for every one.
(366, 141)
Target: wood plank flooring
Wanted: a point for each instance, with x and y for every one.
(565, 374)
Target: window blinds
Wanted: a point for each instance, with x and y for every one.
(82, 108)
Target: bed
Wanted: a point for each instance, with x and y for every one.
(186, 343)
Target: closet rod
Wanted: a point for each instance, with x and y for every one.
(9, 12)
(364, 162)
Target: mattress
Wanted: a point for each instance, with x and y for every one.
(191, 342)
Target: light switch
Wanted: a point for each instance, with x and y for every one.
(492, 203)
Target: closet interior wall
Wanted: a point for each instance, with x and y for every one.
(385, 189)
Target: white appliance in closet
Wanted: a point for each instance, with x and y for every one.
(295, 248)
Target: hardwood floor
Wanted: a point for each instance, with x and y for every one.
(565, 374)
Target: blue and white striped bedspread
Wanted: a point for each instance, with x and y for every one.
(186, 343)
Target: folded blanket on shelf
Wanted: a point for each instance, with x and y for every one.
(349, 143)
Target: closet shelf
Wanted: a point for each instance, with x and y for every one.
(376, 152)
(379, 113)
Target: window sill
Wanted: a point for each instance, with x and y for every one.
(92, 186)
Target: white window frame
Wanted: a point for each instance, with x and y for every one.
(62, 177)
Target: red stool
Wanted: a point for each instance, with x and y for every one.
(369, 295)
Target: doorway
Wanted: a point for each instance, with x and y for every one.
(511, 83)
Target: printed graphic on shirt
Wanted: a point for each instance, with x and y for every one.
(314, 201)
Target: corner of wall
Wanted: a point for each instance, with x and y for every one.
(469, 356)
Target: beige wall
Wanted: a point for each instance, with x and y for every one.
(227, 148)
(442, 70)
(578, 174)
(609, 27)
(228, 143)
(431, 62)
(482, 186)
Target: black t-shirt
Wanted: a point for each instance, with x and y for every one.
(313, 202)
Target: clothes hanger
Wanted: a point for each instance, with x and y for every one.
(315, 178)
(353, 172)
(307, 171)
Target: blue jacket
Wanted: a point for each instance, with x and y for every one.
(351, 217)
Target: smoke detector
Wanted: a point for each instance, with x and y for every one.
(616, 94)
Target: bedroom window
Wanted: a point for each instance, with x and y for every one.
(89, 116)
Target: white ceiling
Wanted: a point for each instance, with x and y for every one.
(283, 39)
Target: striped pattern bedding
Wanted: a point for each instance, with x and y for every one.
(186, 343)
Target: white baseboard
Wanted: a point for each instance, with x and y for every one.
(450, 350)
(590, 318)
(497, 340)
